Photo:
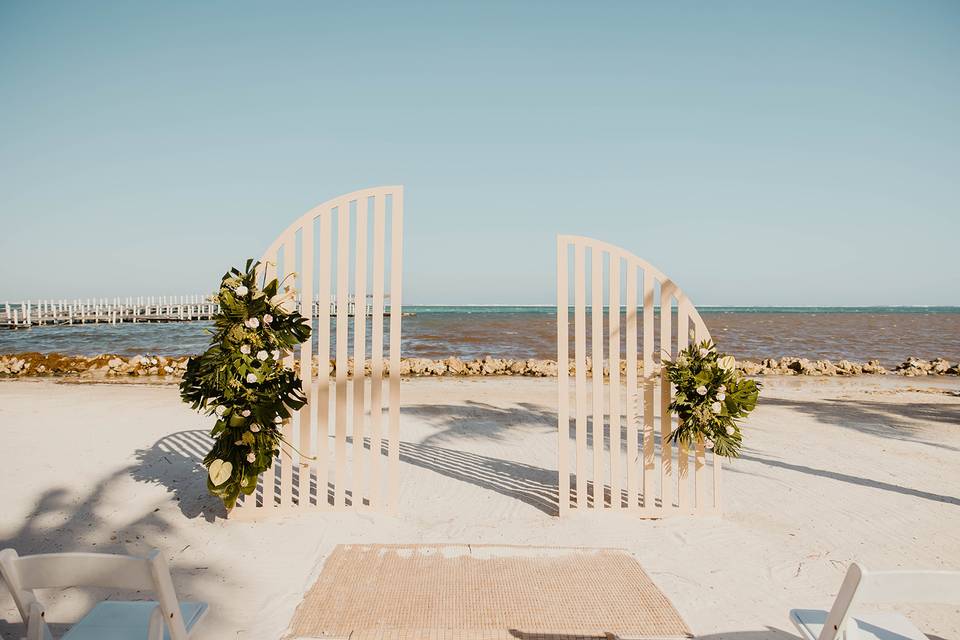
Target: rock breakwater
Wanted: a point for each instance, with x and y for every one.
(109, 366)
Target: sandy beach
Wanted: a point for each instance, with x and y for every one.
(834, 470)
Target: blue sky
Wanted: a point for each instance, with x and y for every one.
(757, 152)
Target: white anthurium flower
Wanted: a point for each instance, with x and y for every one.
(221, 410)
(262, 355)
(245, 349)
(255, 428)
(267, 318)
(251, 457)
(716, 407)
(721, 396)
(242, 290)
(727, 363)
(220, 471)
(730, 430)
(245, 413)
(702, 390)
(251, 378)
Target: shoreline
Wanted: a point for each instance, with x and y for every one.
(171, 368)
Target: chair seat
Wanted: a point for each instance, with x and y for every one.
(871, 626)
(114, 620)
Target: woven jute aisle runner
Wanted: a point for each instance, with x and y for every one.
(438, 592)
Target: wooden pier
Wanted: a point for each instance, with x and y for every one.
(24, 315)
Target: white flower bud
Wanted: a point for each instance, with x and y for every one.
(251, 457)
(727, 363)
(255, 428)
(262, 355)
(245, 349)
(730, 430)
(221, 410)
(702, 390)
(251, 378)
(278, 420)
(721, 396)
(252, 323)
(242, 290)
(245, 413)
(716, 407)
(267, 318)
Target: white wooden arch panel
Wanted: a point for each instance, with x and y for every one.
(344, 259)
(613, 451)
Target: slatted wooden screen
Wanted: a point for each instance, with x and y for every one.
(623, 315)
(344, 259)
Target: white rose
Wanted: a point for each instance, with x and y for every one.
(702, 390)
(262, 355)
(245, 349)
(245, 413)
(727, 363)
(252, 323)
(242, 290)
(716, 407)
(721, 396)
(251, 378)
(255, 428)
(251, 457)
(730, 430)
(267, 318)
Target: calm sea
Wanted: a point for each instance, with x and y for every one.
(890, 334)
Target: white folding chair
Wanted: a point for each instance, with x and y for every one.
(877, 587)
(165, 619)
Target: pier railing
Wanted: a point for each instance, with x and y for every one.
(151, 309)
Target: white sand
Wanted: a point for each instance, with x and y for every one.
(835, 471)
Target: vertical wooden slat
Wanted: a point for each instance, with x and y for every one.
(631, 320)
(666, 421)
(563, 399)
(322, 410)
(649, 460)
(269, 476)
(580, 374)
(340, 410)
(359, 352)
(306, 362)
(286, 465)
(596, 317)
(683, 454)
(396, 311)
(614, 349)
(376, 357)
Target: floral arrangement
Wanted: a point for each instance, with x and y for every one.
(241, 380)
(711, 398)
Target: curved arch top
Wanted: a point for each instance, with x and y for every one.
(327, 207)
(702, 331)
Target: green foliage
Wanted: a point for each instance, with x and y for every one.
(711, 399)
(241, 380)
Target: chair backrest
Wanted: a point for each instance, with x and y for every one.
(23, 574)
(887, 587)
